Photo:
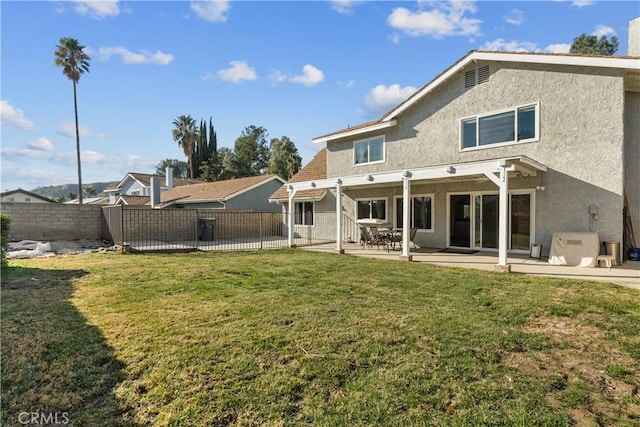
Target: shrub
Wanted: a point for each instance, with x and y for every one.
(5, 224)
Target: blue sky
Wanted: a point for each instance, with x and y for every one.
(300, 69)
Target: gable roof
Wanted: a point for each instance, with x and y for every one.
(27, 193)
(218, 191)
(124, 199)
(314, 170)
(145, 180)
(629, 63)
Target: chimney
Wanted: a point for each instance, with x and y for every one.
(155, 191)
(169, 177)
(634, 38)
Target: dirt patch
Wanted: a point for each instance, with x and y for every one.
(588, 374)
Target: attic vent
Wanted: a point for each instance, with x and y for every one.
(470, 78)
(483, 74)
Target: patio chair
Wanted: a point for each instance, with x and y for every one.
(412, 236)
(370, 237)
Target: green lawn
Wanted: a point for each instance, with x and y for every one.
(289, 337)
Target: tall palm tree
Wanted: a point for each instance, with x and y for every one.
(74, 61)
(184, 133)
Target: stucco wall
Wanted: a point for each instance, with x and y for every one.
(632, 158)
(257, 199)
(581, 140)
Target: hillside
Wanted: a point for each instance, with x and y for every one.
(55, 191)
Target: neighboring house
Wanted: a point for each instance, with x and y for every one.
(251, 193)
(139, 184)
(498, 152)
(89, 201)
(24, 196)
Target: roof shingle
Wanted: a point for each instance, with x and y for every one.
(314, 170)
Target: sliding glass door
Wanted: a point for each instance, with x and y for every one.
(474, 220)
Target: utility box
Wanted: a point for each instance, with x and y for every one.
(206, 229)
(536, 251)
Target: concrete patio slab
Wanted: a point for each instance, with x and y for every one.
(627, 274)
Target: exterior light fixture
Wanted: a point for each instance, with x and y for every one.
(450, 169)
(369, 178)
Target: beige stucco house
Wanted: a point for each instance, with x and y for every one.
(498, 152)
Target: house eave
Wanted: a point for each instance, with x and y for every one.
(351, 132)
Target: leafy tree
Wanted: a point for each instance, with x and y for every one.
(74, 61)
(592, 45)
(184, 133)
(73, 196)
(251, 154)
(180, 168)
(284, 159)
(59, 199)
(89, 190)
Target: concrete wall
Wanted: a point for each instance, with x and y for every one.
(581, 139)
(53, 221)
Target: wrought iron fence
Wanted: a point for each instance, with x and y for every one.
(144, 229)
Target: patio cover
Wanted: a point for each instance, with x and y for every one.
(497, 170)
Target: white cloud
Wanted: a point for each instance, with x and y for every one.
(128, 57)
(311, 76)
(445, 19)
(278, 76)
(583, 3)
(13, 116)
(97, 9)
(239, 71)
(603, 30)
(394, 38)
(345, 7)
(515, 17)
(383, 98)
(211, 10)
(347, 85)
(69, 129)
(41, 144)
(558, 48)
(513, 46)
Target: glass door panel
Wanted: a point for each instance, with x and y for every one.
(490, 218)
(520, 221)
(460, 220)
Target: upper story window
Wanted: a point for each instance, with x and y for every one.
(519, 124)
(369, 151)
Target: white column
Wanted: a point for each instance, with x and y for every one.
(503, 222)
(406, 217)
(291, 209)
(339, 248)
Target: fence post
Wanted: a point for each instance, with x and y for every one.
(195, 244)
(260, 231)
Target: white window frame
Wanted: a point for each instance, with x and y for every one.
(395, 216)
(304, 216)
(515, 109)
(370, 199)
(367, 141)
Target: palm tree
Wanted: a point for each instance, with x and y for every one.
(184, 134)
(74, 61)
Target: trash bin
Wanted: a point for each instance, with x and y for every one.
(536, 251)
(613, 248)
(206, 229)
(634, 254)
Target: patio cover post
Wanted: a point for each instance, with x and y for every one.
(291, 209)
(503, 222)
(339, 248)
(406, 215)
